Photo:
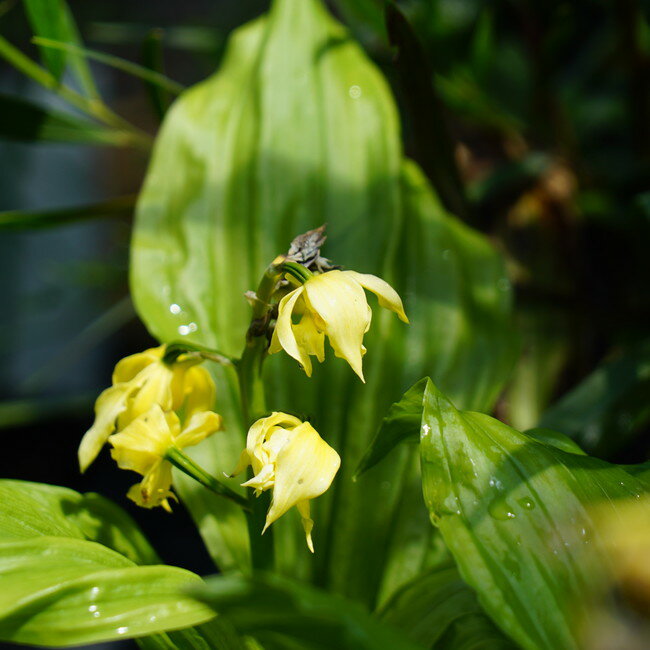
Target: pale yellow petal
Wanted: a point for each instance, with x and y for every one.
(155, 489)
(387, 296)
(261, 429)
(108, 407)
(341, 304)
(155, 389)
(307, 522)
(309, 337)
(142, 443)
(200, 389)
(283, 334)
(305, 468)
(243, 462)
(198, 428)
(127, 368)
(262, 481)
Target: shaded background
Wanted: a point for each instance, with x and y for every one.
(531, 120)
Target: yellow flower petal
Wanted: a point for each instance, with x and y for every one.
(388, 297)
(305, 467)
(200, 389)
(143, 443)
(341, 304)
(108, 407)
(198, 428)
(283, 334)
(307, 522)
(155, 488)
(309, 337)
(127, 368)
(155, 388)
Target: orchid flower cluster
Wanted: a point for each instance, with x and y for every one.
(160, 400)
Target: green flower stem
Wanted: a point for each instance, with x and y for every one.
(253, 400)
(175, 350)
(178, 459)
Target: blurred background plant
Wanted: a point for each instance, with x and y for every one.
(529, 118)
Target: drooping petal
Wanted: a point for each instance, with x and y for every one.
(341, 304)
(108, 407)
(200, 389)
(143, 443)
(307, 522)
(283, 334)
(310, 338)
(198, 428)
(243, 462)
(127, 368)
(155, 488)
(387, 296)
(304, 469)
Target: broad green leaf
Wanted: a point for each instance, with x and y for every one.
(402, 423)
(299, 128)
(64, 591)
(24, 121)
(555, 439)
(52, 19)
(268, 605)
(433, 608)
(517, 516)
(609, 406)
(30, 510)
(18, 219)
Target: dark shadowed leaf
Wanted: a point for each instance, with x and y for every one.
(270, 605)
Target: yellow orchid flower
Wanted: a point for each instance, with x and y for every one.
(332, 304)
(140, 381)
(143, 444)
(289, 457)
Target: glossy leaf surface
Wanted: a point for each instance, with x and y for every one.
(30, 510)
(64, 591)
(516, 514)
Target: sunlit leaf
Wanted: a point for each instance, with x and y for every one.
(64, 591)
(34, 509)
(517, 516)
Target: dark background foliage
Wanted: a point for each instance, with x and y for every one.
(531, 120)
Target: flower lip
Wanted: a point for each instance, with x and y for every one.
(333, 305)
(289, 457)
